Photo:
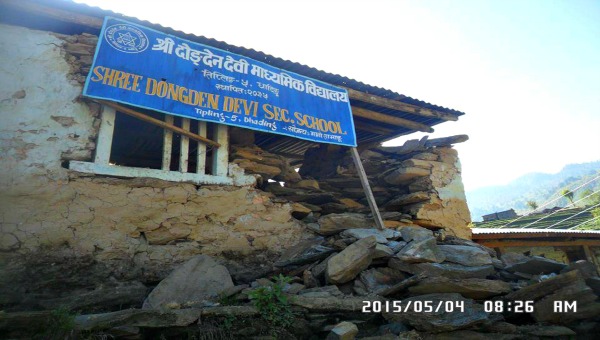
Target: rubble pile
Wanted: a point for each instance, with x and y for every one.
(104, 257)
(417, 183)
(353, 281)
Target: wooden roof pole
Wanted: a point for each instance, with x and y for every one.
(367, 188)
(372, 128)
(380, 117)
(160, 123)
(396, 105)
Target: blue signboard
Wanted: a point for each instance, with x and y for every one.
(142, 67)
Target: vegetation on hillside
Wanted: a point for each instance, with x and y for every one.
(538, 188)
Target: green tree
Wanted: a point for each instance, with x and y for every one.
(594, 223)
(568, 194)
(532, 204)
(593, 199)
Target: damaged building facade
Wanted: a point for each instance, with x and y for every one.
(92, 196)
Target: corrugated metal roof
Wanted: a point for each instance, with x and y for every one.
(38, 14)
(480, 233)
(254, 54)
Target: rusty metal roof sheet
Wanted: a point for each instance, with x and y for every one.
(487, 233)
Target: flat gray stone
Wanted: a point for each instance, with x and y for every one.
(334, 223)
(325, 291)
(377, 279)
(453, 270)
(510, 258)
(200, 278)
(415, 233)
(547, 331)
(536, 265)
(457, 241)
(396, 246)
(381, 236)
(346, 265)
(417, 251)
(382, 251)
(469, 288)
(306, 251)
(396, 263)
(466, 255)
(343, 331)
(586, 268)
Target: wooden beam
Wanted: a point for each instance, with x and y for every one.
(220, 161)
(160, 123)
(414, 145)
(290, 156)
(167, 144)
(130, 172)
(367, 188)
(201, 151)
(105, 136)
(537, 243)
(396, 105)
(380, 117)
(277, 140)
(54, 13)
(372, 128)
(184, 147)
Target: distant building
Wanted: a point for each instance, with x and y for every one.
(550, 210)
(502, 215)
(566, 246)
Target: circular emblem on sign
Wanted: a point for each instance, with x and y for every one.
(126, 38)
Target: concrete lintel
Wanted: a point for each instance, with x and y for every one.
(123, 171)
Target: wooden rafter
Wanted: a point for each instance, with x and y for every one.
(373, 128)
(380, 117)
(396, 105)
(160, 123)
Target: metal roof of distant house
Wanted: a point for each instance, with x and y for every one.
(514, 237)
(486, 233)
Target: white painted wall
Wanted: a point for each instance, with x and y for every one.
(39, 116)
(128, 225)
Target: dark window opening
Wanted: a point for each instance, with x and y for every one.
(140, 144)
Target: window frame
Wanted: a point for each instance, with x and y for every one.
(223, 173)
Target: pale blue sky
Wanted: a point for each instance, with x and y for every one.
(526, 73)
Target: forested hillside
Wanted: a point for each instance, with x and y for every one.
(536, 187)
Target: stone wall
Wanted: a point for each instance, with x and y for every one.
(63, 230)
(446, 205)
(419, 185)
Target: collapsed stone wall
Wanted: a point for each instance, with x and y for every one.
(413, 185)
(61, 230)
